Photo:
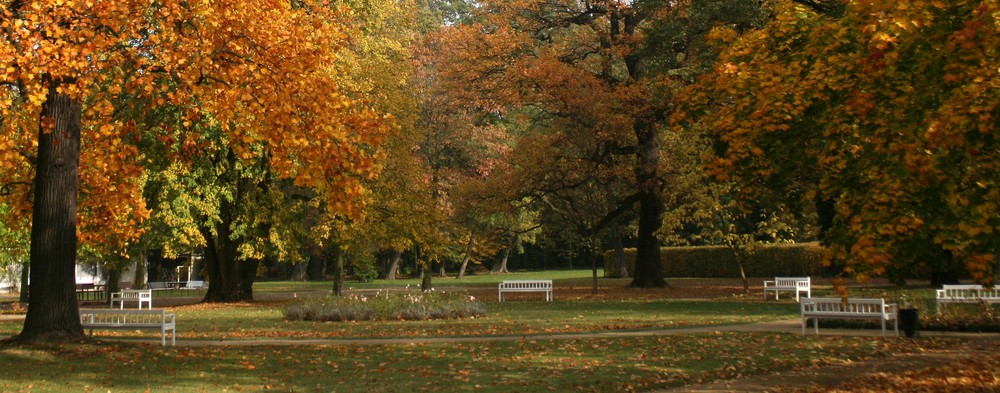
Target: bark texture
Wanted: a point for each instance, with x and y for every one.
(53, 314)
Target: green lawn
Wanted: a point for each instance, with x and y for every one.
(264, 320)
(515, 364)
(602, 365)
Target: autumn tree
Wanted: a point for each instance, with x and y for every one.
(882, 114)
(594, 80)
(255, 72)
(576, 65)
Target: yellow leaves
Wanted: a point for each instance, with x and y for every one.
(722, 34)
(38, 97)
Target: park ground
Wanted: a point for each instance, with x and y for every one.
(698, 336)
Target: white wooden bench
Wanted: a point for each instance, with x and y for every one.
(131, 319)
(790, 284)
(967, 293)
(158, 285)
(195, 285)
(854, 308)
(526, 286)
(139, 296)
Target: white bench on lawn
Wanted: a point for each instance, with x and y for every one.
(966, 293)
(139, 296)
(854, 308)
(131, 320)
(526, 286)
(158, 285)
(789, 284)
(195, 285)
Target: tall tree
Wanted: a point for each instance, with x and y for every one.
(595, 78)
(259, 71)
(578, 65)
(884, 114)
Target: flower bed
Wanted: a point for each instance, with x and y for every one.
(386, 306)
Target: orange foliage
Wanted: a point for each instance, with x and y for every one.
(888, 111)
(262, 71)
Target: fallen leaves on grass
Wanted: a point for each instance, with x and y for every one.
(971, 370)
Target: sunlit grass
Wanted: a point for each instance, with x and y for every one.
(255, 321)
(600, 364)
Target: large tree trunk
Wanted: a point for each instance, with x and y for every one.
(154, 262)
(227, 281)
(112, 284)
(139, 276)
(441, 270)
(317, 267)
(25, 272)
(299, 271)
(425, 277)
(620, 266)
(743, 271)
(230, 278)
(467, 257)
(501, 264)
(390, 273)
(53, 314)
(648, 270)
(338, 272)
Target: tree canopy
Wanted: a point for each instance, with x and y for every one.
(256, 79)
(884, 114)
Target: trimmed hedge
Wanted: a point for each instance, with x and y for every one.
(782, 260)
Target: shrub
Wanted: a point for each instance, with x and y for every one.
(364, 271)
(386, 306)
(803, 259)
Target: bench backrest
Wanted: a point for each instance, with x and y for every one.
(194, 284)
(157, 285)
(128, 317)
(966, 291)
(135, 293)
(526, 284)
(799, 282)
(962, 286)
(853, 306)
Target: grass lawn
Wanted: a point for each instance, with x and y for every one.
(602, 365)
(263, 320)
(517, 364)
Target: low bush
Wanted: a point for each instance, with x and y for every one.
(790, 260)
(386, 305)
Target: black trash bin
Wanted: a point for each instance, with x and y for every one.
(909, 321)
